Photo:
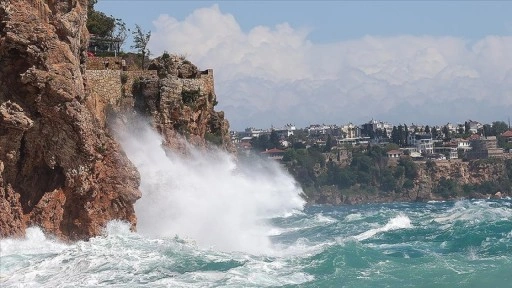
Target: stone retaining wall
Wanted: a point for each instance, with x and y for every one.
(99, 63)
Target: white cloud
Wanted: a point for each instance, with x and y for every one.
(275, 75)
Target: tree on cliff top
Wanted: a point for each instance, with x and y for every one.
(105, 26)
(98, 23)
(498, 127)
(140, 42)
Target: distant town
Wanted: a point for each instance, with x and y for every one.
(468, 141)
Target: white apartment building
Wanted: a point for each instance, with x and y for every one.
(423, 143)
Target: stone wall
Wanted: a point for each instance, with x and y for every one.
(110, 89)
(114, 93)
(114, 63)
(98, 63)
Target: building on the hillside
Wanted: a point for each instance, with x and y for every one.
(507, 135)
(415, 128)
(351, 131)
(235, 137)
(286, 131)
(474, 126)
(276, 154)
(254, 133)
(371, 127)
(435, 156)
(411, 152)
(347, 141)
(353, 141)
(394, 153)
(246, 139)
(483, 148)
(422, 141)
(425, 146)
(462, 144)
(450, 152)
(318, 130)
(452, 128)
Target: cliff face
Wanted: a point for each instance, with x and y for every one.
(59, 169)
(472, 172)
(180, 100)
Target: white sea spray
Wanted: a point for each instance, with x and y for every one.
(206, 196)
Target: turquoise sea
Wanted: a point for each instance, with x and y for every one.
(443, 244)
(206, 220)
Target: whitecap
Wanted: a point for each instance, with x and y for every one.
(401, 221)
(353, 217)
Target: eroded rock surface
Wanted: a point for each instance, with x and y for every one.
(181, 101)
(59, 169)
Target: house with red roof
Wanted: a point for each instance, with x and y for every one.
(276, 154)
(507, 135)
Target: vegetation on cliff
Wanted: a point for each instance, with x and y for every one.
(365, 174)
(368, 169)
(101, 25)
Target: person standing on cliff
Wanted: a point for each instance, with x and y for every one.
(123, 64)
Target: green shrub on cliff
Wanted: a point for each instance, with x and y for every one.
(213, 138)
(410, 168)
(368, 168)
(388, 182)
(446, 188)
(190, 96)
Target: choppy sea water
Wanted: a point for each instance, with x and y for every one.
(440, 244)
(207, 220)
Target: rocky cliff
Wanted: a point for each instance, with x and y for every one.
(430, 176)
(59, 169)
(180, 102)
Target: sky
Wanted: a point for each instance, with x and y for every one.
(335, 62)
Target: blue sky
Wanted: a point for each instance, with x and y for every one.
(339, 20)
(309, 62)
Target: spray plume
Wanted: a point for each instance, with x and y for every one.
(206, 196)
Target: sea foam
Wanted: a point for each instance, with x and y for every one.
(207, 196)
(399, 222)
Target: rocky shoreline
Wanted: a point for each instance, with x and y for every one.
(462, 173)
(60, 168)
